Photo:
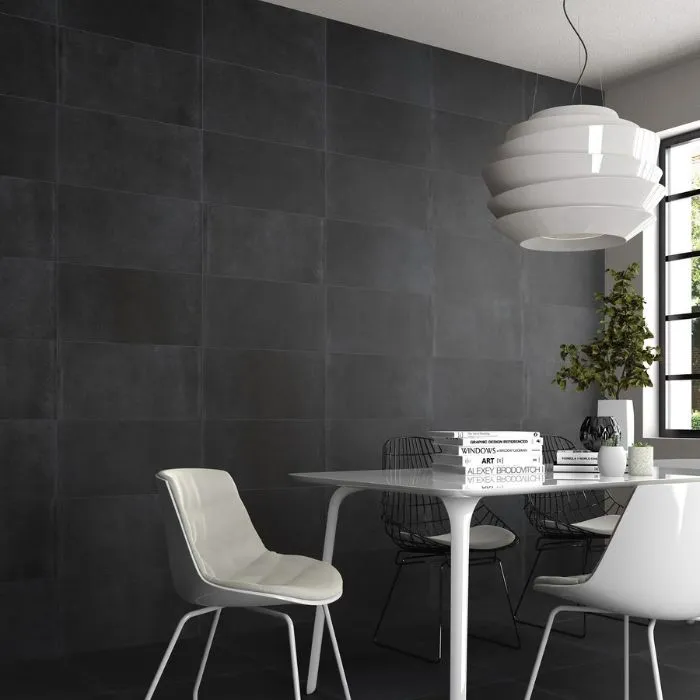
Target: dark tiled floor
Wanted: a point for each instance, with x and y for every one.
(256, 667)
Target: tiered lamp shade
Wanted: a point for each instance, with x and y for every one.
(574, 178)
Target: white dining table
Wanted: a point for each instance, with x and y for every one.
(460, 499)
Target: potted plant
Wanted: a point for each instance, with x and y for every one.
(618, 358)
(612, 458)
(641, 459)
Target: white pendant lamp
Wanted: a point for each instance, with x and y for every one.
(574, 178)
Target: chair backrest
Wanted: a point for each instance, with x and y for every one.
(554, 514)
(209, 533)
(651, 568)
(409, 519)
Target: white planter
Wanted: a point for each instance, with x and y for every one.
(641, 460)
(612, 460)
(622, 410)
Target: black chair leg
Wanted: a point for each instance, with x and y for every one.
(431, 659)
(531, 575)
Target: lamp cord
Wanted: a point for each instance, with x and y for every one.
(585, 54)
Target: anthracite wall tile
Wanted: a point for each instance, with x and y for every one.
(27, 548)
(461, 330)
(130, 154)
(132, 306)
(120, 77)
(379, 257)
(117, 458)
(27, 449)
(383, 323)
(364, 125)
(563, 278)
(477, 88)
(27, 293)
(266, 36)
(470, 268)
(464, 144)
(264, 244)
(262, 454)
(483, 393)
(375, 192)
(129, 382)
(376, 63)
(250, 102)
(44, 10)
(263, 175)
(263, 384)
(28, 143)
(375, 386)
(27, 384)
(26, 210)
(173, 24)
(257, 314)
(116, 229)
(457, 205)
(27, 59)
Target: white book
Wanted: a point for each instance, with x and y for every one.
(574, 476)
(576, 457)
(526, 442)
(575, 468)
(527, 458)
(487, 470)
(490, 449)
(514, 434)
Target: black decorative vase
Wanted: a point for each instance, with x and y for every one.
(596, 429)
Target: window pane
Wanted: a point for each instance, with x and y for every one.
(683, 347)
(683, 405)
(683, 286)
(683, 225)
(683, 167)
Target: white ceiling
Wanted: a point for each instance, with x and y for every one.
(624, 37)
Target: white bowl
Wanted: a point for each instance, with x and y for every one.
(600, 191)
(573, 228)
(510, 173)
(621, 139)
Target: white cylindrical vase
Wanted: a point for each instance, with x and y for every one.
(622, 410)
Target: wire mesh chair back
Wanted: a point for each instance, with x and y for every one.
(554, 515)
(411, 520)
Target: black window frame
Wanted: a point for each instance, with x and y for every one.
(664, 378)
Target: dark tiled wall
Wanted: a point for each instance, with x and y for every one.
(236, 235)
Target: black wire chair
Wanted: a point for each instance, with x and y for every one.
(561, 520)
(420, 527)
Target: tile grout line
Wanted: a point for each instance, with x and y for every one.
(324, 253)
(203, 248)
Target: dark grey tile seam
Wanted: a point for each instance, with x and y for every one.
(166, 419)
(392, 292)
(312, 352)
(324, 254)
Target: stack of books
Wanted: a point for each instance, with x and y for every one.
(575, 464)
(491, 458)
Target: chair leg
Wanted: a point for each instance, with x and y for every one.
(336, 651)
(654, 661)
(205, 656)
(626, 633)
(526, 587)
(510, 605)
(540, 653)
(292, 644)
(384, 645)
(173, 641)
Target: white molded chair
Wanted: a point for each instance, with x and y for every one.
(650, 569)
(217, 561)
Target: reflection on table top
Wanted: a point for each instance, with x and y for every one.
(436, 483)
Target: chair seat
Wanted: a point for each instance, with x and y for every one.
(482, 537)
(286, 575)
(602, 525)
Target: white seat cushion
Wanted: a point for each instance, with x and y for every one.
(602, 525)
(482, 537)
(288, 576)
